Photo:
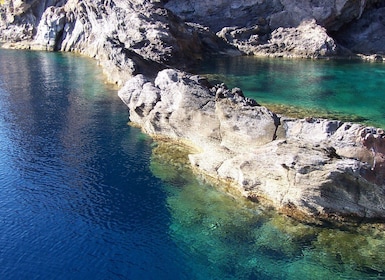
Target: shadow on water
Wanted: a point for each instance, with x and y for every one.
(232, 238)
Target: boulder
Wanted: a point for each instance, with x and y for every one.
(308, 40)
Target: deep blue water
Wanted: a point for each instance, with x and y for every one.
(77, 198)
(85, 196)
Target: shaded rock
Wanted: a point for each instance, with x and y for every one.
(365, 35)
(249, 23)
(219, 14)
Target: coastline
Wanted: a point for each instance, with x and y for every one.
(308, 165)
(322, 168)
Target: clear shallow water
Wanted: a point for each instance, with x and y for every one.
(345, 89)
(84, 196)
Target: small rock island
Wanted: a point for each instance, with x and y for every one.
(319, 168)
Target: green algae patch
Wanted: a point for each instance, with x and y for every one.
(170, 163)
(300, 112)
(362, 249)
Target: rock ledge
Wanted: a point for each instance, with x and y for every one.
(317, 167)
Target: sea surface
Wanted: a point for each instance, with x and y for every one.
(349, 90)
(85, 196)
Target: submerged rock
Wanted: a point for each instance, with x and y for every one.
(319, 167)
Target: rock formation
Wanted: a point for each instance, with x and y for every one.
(349, 24)
(172, 32)
(322, 168)
(308, 40)
(126, 37)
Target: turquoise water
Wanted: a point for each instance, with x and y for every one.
(346, 89)
(85, 196)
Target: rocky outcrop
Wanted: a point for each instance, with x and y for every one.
(308, 40)
(257, 27)
(127, 37)
(331, 14)
(144, 30)
(323, 168)
(365, 35)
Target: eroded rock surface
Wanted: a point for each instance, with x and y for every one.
(308, 40)
(127, 37)
(318, 167)
(135, 32)
(356, 24)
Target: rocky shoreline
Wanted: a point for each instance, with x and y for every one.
(321, 168)
(318, 167)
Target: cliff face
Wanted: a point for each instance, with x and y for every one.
(156, 30)
(256, 23)
(127, 37)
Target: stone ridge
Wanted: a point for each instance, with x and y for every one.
(323, 168)
(177, 32)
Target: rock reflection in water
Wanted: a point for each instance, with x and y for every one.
(238, 239)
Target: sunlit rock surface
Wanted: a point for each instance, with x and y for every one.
(127, 37)
(314, 166)
(175, 33)
(308, 40)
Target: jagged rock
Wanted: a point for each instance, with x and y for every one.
(50, 27)
(219, 14)
(246, 24)
(274, 28)
(122, 35)
(308, 40)
(318, 167)
(331, 14)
